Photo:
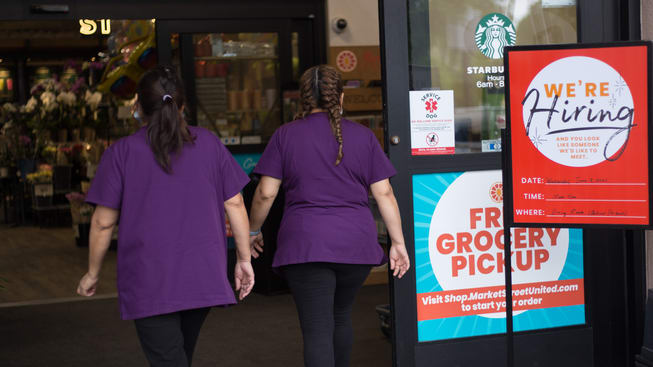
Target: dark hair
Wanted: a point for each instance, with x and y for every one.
(321, 87)
(161, 96)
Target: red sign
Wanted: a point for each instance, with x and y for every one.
(578, 131)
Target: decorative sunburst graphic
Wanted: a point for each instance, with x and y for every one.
(537, 139)
(620, 85)
(496, 192)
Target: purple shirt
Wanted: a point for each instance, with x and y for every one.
(326, 216)
(171, 243)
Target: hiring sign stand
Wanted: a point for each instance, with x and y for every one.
(577, 147)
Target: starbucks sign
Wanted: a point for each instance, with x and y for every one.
(493, 33)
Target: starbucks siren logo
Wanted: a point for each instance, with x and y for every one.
(493, 33)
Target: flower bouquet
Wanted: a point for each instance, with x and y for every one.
(42, 189)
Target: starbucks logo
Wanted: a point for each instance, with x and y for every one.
(493, 33)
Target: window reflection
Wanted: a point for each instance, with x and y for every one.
(459, 46)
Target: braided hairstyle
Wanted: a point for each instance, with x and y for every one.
(321, 87)
(161, 97)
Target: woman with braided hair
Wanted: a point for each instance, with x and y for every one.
(171, 185)
(327, 242)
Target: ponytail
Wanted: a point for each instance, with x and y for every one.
(161, 97)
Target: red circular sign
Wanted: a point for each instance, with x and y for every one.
(432, 139)
(346, 61)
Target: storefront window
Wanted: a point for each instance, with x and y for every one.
(237, 83)
(458, 46)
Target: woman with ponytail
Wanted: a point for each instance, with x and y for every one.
(171, 185)
(327, 242)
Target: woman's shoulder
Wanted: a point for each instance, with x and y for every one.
(126, 142)
(204, 135)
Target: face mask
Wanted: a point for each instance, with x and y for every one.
(138, 117)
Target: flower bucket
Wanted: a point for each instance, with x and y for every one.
(42, 193)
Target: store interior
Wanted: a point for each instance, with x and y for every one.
(66, 93)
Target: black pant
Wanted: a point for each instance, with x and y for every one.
(324, 294)
(169, 340)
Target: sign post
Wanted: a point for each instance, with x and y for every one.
(577, 145)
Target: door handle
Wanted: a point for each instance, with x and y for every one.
(394, 140)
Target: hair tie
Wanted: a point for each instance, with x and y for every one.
(166, 97)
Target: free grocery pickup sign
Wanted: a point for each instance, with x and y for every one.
(460, 264)
(578, 134)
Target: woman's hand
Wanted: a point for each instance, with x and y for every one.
(256, 245)
(399, 260)
(244, 278)
(87, 285)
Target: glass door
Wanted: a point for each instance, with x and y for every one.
(237, 82)
(241, 77)
(442, 65)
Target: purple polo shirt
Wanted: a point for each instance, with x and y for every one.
(326, 216)
(171, 243)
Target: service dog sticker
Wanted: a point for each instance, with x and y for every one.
(432, 122)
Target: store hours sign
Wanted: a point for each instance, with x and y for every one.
(579, 138)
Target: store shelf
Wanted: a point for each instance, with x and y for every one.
(234, 58)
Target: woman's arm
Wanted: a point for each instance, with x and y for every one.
(385, 198)
(102, 224)
(266, 192)
(243, 274)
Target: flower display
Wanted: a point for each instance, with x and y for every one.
(41, 176)
(49, 154)
(30, 106)
(67, 99)
(93, 99)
